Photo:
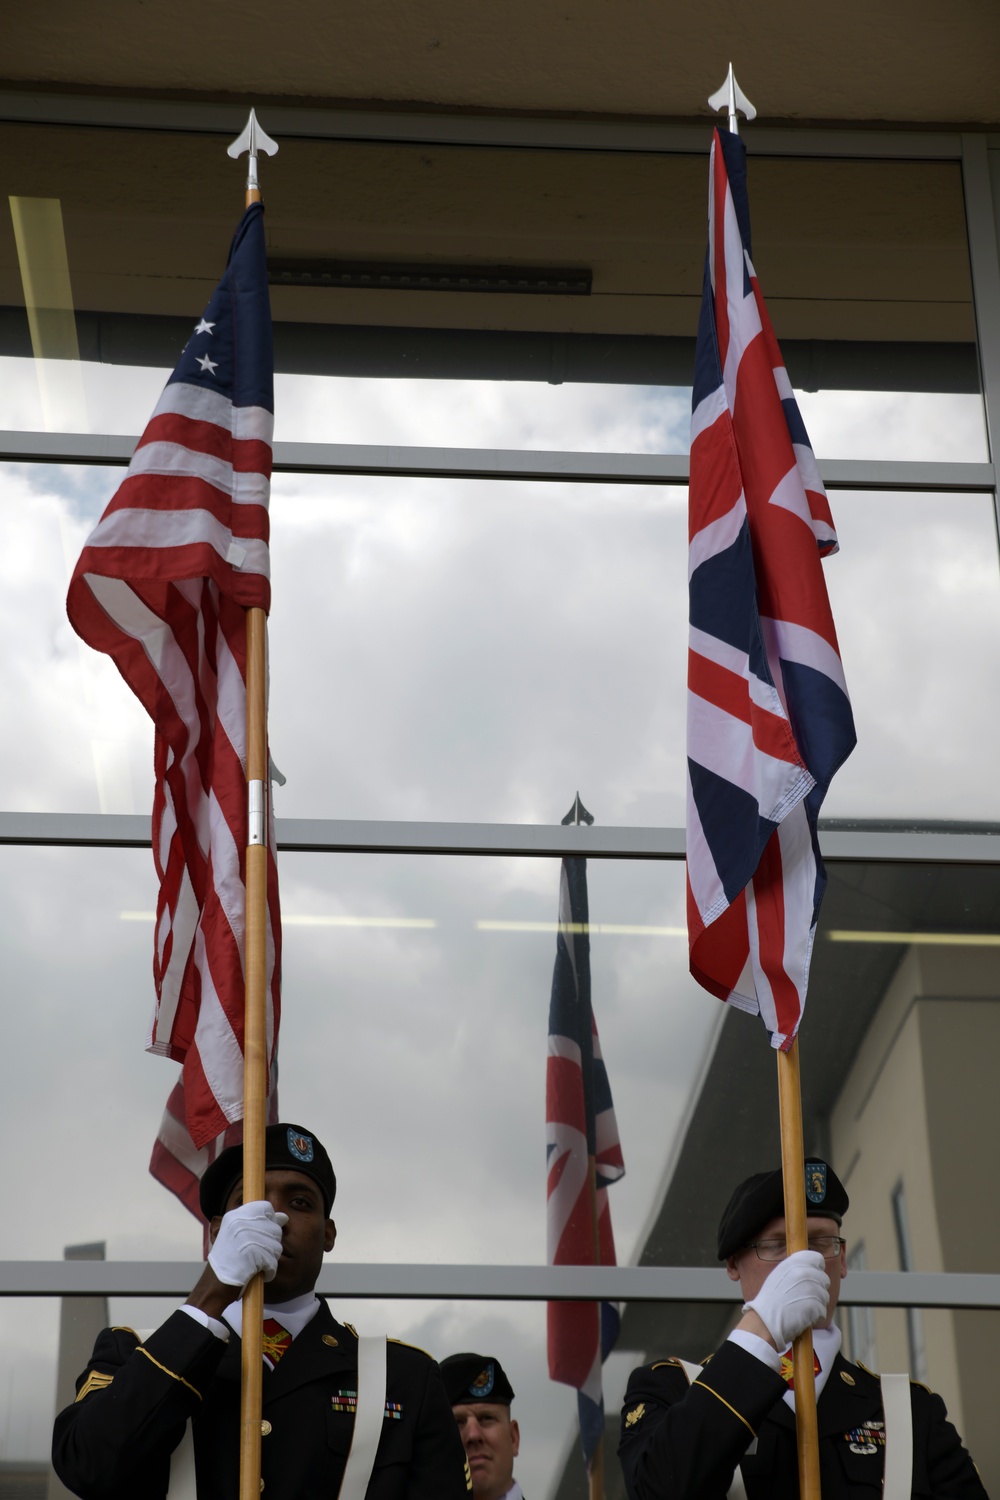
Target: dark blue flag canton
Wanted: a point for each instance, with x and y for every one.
(231, 348)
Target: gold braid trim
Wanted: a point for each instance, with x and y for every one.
(725, 1403)
(95, 1381)
(143, 1350)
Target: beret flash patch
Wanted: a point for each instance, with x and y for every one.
(483, 1383)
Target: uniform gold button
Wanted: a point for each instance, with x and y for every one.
(328, 1338)
(847, 1379)
(265, 1427)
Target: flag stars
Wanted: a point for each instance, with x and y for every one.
(209, 366)
(204, 327)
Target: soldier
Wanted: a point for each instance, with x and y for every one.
(136, 1397)
(700, 1434)
(480, 1396)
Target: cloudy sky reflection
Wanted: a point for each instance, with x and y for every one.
(440, 650)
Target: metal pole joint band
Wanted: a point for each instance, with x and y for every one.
(255, 803)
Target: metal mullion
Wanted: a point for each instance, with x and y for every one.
(510, 464)
(505, 1283)
(981, 183)
(889, 843)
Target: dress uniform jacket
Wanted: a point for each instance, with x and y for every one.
(133, 1401)
(681, 1442)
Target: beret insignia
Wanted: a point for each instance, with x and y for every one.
(815, 1181)
(300, 1146)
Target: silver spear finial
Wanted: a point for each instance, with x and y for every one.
(253, 139)
(732, 97)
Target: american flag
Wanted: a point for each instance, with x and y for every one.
(580, 1130)
(769, 719)
(179, 1164)
(162, 586)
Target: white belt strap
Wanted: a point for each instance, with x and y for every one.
(369, 1415)
(183, 1484)
(183, 1481)
(737, 1490)
(368, 1419)
(898, 1414)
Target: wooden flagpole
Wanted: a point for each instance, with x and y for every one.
(255, 1060)
(797, 1238)
(731, 98)
(254, 1050)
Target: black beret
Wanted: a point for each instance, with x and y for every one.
(762, 1198)
(286, 1147)
(475, 1377)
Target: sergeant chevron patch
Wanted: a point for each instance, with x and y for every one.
(95, 1381)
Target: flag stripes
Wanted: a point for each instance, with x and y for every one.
(162, 586)
(769, 719)
(584, 1157)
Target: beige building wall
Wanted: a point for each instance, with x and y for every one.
(922, 1090)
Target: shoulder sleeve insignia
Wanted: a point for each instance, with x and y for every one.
(95, 1381)
(635, 1415)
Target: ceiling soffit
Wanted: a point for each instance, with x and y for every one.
(857, 63)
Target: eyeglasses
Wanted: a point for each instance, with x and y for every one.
(828, 1245)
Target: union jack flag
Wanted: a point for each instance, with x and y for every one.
(769, 719)
(162, 586)
(581, 1138)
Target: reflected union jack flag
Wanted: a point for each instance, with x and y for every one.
(769, 718)
(580, 1130)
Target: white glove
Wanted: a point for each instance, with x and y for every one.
(248, 1241)
(794, 1296)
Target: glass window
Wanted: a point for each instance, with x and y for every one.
(861, 1347)
(416, 997)
(479, 651)
(914, 1317)
(915, 592)
(114, 238)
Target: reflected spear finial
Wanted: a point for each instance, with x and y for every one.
(577, 814)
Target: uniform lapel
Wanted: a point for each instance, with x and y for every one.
(324, 1350)
(842, 1405)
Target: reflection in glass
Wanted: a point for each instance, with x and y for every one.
(861, 1343)
(914, 1317)
(865, 265)
(475, 650)
(414, 1041)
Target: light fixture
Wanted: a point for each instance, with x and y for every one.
(395, 276)
(934, 939)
